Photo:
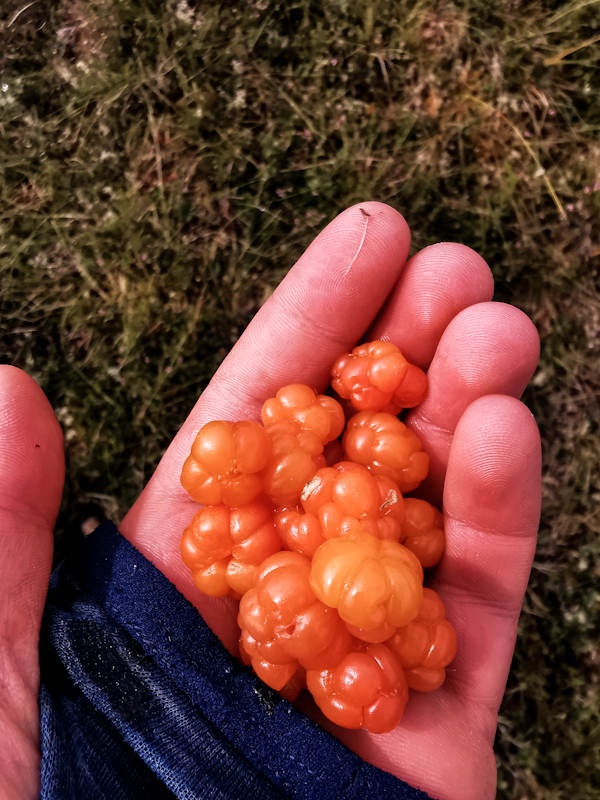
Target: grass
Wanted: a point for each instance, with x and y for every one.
(163, 164)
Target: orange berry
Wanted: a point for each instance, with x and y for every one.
(426, 645)
(377, 377)
(225, 463)
(297, 454)
(347, 499)
(387, 447)
(341, 500)
(370, 581)
(224, 547)
(282, 613)
(319, 414)
(423, 531)
(366, 689)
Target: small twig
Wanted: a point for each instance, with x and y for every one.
(366, 216)
(20, 11)
(548, 62)
(383, 69)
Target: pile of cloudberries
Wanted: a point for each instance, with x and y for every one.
(326, 561)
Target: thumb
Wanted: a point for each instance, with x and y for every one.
(31, 477)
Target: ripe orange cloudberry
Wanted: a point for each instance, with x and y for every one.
(283, 615)
(319, 414)
(367, 689)
(426, 645)
(387, 447)
(224, 547)
(225, 463)
(423, 531)
(369, 581)
(377, 377)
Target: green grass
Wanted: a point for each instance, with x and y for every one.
(163, 164)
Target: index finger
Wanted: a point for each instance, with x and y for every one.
(323, 307)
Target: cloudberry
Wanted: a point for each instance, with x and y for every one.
(367, 689)
(347, 498)
(319, 414)
(225, 463)
(224, 547)
(423, 531)
(426, 645)
(296, 456)
(377, 377)
(387, 447)
(282, 613)
(370, 581)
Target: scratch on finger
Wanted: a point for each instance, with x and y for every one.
(366, 216)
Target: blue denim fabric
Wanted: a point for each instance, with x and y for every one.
(139, 699)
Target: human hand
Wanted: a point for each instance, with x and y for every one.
(351, 283)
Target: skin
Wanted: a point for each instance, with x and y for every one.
(353, 283)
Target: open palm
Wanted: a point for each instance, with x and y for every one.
(353, 282)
